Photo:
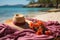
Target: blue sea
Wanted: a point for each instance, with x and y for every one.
(8, 12)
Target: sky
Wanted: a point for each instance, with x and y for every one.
(13, 2)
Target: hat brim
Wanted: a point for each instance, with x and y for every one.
(10, 23)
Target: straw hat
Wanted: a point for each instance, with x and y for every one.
(19, 18)
(18, 22)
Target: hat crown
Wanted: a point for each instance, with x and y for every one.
(19, 18)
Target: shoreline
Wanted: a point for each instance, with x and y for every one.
(45, 16)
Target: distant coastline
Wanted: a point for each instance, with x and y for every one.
(19, 5)
(32, 6)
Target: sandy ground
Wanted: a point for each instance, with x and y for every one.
(51, 16)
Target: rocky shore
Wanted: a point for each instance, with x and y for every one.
(50, 5)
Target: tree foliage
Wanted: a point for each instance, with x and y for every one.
(31, 1)
(45, 1)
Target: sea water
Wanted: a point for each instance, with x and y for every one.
(8, 12)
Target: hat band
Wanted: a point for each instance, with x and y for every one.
(19, 24)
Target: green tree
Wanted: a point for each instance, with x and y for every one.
(48, 1)
(59, 1)
(40, 1)
(54, 1)
(31, 1)
(43, 1)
